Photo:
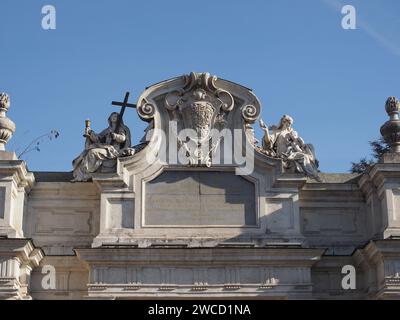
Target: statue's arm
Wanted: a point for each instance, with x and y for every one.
(92, 136)
(102, 136)
(297, 139)
(267, 140)
(119, 137)
(294, 134)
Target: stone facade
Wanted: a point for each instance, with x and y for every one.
(154, 228)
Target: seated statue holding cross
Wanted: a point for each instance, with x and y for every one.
(111, 143)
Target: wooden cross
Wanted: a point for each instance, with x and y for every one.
(123, 106)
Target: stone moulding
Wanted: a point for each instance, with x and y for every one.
(18, 258)
(198, 270)
(161, 229)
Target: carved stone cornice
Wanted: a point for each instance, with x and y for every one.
(270, 256)
(110, 181)
(287, 180)
(19, 257)
(23, 249)
(17, 171)
(383, 174)
(366, 185)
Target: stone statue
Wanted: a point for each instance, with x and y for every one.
(111, 143)
(283, 142)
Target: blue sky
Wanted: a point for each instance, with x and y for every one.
(293, 54)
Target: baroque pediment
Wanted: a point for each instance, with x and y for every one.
(202, 118)
(179, 92)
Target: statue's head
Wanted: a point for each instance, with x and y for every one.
(286, 122)
(113, 118)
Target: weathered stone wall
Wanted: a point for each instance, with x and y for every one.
(152, 228)
(62, 216)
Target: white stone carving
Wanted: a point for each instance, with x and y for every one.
(7, 127)
(102, 147)
(391, 128)
(268, 278)
(201, 106)
(232, 278)
(200, 279)
(156, 229)
(283, 142)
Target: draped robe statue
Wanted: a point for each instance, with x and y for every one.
(107, 145)
(284, 142)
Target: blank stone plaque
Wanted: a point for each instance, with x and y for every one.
(199, 198)
(122, 213)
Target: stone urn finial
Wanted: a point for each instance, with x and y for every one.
(391, 128)
(7, 127)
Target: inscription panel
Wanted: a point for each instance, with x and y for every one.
(198, 198)
(338, 221)
(63, 221)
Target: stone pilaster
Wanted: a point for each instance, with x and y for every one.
(17, 259)
(382, 258)
(381, 184)
(15, 180)
(116, 207)
(15, 183)
(386, 179)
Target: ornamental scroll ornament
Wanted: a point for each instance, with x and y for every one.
(202, 107)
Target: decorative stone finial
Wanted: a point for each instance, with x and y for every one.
(7, 127)
(391, 129)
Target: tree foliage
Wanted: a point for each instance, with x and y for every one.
(379, 147)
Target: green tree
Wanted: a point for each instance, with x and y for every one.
(379, 147)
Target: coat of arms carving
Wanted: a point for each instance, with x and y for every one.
(200, 108)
